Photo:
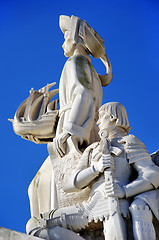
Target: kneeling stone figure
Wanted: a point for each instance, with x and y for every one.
(107, 166)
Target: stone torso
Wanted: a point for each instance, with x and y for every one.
(98, 209)
(80, 93)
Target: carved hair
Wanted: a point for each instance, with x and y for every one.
(118, 111)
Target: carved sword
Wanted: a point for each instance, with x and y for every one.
(115, 227)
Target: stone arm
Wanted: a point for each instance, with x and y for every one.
(148, 178)
(83, 177)
(80, 180)
(80, 97)
(79, 123)
(82, 112)
(81, 117)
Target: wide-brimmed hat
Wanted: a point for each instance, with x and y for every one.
(91, 41)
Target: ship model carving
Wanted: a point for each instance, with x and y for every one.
(36, 118)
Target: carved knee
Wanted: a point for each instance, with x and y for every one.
(32, 226)
(140, 210)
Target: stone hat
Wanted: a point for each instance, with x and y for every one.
(91, 41)
(65, 23)
(80, 28)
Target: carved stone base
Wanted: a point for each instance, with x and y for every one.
(7, 234)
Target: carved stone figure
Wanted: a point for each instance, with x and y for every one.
(127, 155)
(80, 88)
(80, 93)
(107, 166)
(145, 210)
(91, 183)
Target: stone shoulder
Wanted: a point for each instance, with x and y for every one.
(76, 58)
(131, 140)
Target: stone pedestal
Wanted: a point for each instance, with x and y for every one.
(7, 234)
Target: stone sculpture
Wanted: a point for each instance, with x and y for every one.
(90, 184)
(111, 188)
(79, 84)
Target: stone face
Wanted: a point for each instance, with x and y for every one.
(7, 234)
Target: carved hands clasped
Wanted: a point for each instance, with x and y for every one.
(104, 162)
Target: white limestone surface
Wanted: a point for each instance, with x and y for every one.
(7, 234)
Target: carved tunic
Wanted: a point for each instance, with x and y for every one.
(132, 151)
(97, 206)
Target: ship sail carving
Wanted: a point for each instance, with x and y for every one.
(36, 118)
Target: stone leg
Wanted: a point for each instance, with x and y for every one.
(71, 217)
(57, 233)
(142, 221)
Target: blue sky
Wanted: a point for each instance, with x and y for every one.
(31, 56)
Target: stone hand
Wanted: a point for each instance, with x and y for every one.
(106, 161)
(114, 190)
(59, 143)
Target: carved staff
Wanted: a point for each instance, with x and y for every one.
(114, 225)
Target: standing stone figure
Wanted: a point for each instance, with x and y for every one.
(80, 89)
(80, 93)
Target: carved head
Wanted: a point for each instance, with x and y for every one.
(68, 45)
(112, 115)
(77, 32)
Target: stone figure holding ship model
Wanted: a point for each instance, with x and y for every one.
(79, 84)
(90, 183)
(80, 89)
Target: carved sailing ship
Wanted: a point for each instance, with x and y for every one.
(36, 118)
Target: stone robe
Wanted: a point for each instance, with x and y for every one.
(80, 93)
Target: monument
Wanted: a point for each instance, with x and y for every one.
(98, 182)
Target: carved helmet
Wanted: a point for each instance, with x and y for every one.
(91, 41)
